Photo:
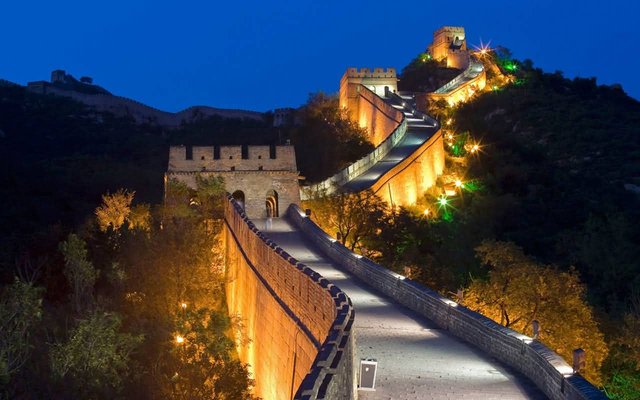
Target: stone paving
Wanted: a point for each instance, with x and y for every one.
(416, 359)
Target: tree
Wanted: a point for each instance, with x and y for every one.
(209, 196)
(519, 290)
(203, 366)
(95, 360)
(79, 272)
(623, 364)
(354, 216)
(114, 210)
(140, 217)
(20, 311)
(326, 139)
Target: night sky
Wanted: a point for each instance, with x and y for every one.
(260, 55)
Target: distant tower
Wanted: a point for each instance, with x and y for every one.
(377, 81)
(58, 75)
(263, 179)
(283, 117)
(87, 79)
(450, 43)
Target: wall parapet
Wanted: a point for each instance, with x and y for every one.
(319, 309)
(330, 184)
(549, 371)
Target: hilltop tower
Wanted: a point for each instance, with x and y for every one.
(264, 179)
(359, 90)
(450, 44)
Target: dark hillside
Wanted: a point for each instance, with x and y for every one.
(57, 157)
(562, 152)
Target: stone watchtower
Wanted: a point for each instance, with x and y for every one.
(264, 179)
(376, 81)
(450, 43)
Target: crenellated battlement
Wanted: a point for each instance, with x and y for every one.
(450, 43)
(231, 158)
(353, 72)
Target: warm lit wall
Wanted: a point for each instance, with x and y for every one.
(407, 181)
(442, 39)
(549, 372)
(298, 323)
(377, 116)
(257, 176)
(463, 92)
(360, 93)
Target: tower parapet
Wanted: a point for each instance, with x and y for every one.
(378, 81)
(264, 179)
(450, 44)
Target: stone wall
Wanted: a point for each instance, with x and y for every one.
(376, 115)
(442, 39)
(330, 184)
(230, 157)
(257, 178)
(361, 93)
(463, 86)
(544, 367)
(406, 182)
(299, 324)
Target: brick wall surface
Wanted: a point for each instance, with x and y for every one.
(544, 367)
(299, 323)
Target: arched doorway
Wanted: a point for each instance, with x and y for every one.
(238, 196)
(271, 204)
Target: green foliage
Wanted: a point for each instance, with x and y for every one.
(79, 271)
(423, 74)
(203, 366)
(519, 291)
(326, 140)
(209, 196)
(95, 361)
(551, 152)
(20, 312)
(355, 217)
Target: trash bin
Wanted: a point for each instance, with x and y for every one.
(368, 369)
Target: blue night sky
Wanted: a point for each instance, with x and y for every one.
(261, 55)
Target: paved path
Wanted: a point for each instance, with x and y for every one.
(418, 132)
(416, 359)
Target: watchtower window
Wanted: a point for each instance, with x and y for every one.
(202, 158)
(216, 152)
(259, 157)
(230, 157)
(189, 153)
(245, 152)
(260, 168)
(272, 151)
(233, 168)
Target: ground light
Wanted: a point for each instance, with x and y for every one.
(459, 184)
(179, 339)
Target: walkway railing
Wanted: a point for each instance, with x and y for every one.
(473, 71)
(330, 184)
(359, 167)
(548, 370)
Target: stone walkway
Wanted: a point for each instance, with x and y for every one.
(416, 359)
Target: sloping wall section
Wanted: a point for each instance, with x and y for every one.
(545, 368)
(299, 324)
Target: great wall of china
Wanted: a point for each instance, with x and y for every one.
(307, 335)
